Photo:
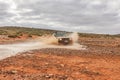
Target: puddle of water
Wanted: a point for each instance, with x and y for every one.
(8, 50)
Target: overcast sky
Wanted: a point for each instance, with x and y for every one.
(94, 16)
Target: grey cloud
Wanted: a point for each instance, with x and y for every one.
(4, 12)
(99, 16)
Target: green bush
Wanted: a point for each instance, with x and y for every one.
(12, 36)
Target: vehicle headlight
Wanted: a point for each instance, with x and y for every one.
(60, 39)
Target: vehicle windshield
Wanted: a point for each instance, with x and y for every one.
(60, 34)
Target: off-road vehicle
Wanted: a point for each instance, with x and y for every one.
(63, 38)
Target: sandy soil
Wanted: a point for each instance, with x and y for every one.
(100, 61)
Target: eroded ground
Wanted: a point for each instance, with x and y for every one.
(101, 61)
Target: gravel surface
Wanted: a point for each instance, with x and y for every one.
(100, 61)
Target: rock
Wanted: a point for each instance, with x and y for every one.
(62, 65)
(13, 72)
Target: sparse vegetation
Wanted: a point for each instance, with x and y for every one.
(17, 31)
(98, 35)
(12, 36)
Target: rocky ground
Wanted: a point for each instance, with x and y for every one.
(100, 61)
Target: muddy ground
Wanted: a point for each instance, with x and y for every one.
(100, 61)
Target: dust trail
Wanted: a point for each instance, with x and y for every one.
(74, 37)
(50, 40)
(8, 50)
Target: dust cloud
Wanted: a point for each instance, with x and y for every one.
(74, 37)
(53, 40)
(8, 50)
(50, 40)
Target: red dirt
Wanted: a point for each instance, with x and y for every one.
(101, 61)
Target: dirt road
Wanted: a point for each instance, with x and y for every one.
(8, 50)
(101, 61)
